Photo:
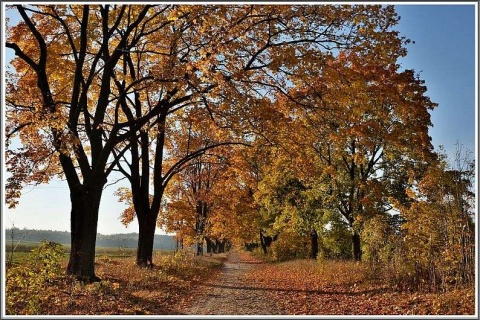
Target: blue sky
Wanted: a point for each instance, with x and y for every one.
(443, 53)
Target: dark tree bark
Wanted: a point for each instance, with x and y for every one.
(314, 242)
(84, 217)
(356, 249)
(266, 241)
(209, 245)
(200, 225)
(221, 246)
(200, 248)
(262, 243)
(146, 237)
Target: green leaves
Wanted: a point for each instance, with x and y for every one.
(26, 282)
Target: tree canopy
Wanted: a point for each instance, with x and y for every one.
(240, 123)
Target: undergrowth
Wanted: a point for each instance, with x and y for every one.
(39, 286)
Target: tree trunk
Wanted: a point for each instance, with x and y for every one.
(221, 246)
(200, 225)
(262, 243)
(146, 236)
(314, 240)
(200, 247)
(84, 217)
(266, 241)
(209, 245)
(356, 249)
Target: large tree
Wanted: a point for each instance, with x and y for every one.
(93, 79)
(230, 62)
(367, 134)
(62, 105)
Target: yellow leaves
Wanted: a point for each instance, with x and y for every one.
(329, 170)
(177, 12)
(125, 195)
(411, 193)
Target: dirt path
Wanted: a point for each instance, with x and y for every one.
(232, 293)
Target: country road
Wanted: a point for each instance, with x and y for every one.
(245, 285)
(231, 293)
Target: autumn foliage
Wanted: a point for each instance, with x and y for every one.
(291, 129)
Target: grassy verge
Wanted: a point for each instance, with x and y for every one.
(125, 289)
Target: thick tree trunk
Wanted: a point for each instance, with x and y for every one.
(314, 242)
(266, 241)
(146, 235)
(84, 217)
(221, 246)
(209, 245)
(356, 249)
(200, 247)
(262, 243)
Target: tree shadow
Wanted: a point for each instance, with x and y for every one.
(250, 262)
(320, 292)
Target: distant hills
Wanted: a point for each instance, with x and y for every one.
(119, 240)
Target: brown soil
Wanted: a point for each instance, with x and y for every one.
(232, 292)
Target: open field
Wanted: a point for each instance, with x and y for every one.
(22, 250)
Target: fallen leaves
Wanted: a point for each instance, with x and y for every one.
(300, 287)
(340, 287)
(127, 289)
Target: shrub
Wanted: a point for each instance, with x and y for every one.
(25, 283)
(289, 245)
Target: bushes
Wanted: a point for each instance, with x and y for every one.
(438, 247)
(432, 251)
(39, 286)
(289, 245)
(380, 239)
(336, 241)
(25, 283)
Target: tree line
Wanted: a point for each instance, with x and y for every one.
(120, 240)
(255, 124)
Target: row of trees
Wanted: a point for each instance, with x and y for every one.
(228, 121)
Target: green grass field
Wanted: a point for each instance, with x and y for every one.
(22, 250)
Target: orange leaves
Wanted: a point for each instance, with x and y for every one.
(125, 195)
(344, 288)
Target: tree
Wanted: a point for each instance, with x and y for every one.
(367, 130)
(178, 147)
(63, 108)
(230, 61)
(94, 85)
(438, 242)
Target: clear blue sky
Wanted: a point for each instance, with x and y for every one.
(444, 53)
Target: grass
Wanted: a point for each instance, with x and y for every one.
(301, 287)
(124, 289)
(22, 250)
